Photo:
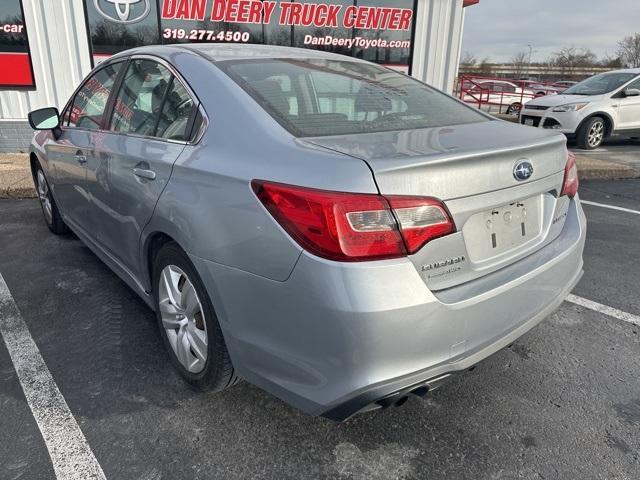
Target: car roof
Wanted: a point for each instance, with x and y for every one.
(217, 52)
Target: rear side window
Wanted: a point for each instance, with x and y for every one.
(91, 100)
(316, 97)
(152, 102)
(138, 104)
(176, 113)
(504, 87)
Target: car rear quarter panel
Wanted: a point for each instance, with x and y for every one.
(208, 205)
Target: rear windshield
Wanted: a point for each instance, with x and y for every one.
(317, 97)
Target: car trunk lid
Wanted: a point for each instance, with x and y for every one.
(499, 218)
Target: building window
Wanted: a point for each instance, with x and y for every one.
(377, 30)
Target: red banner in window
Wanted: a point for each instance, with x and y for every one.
(15, 58)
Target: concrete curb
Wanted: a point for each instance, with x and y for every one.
(595, 169)
(18, 193)
(15, 176)
(506, 118)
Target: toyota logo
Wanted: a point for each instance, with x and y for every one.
(120, 10)
(523, 171)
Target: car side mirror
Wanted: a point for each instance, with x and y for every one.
(46, 119)
(632, 92)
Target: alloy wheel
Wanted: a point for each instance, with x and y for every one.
(514, 109)
(183, 318)
(43, 195)
(596, 134)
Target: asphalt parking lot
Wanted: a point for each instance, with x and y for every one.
(563, 402)
(615, 149)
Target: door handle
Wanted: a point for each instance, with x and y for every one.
(81, 159)
(144, 173)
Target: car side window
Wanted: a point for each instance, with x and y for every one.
(176, 113)
(635, 84)
(66, 115)
(91, 100)
(139, 101)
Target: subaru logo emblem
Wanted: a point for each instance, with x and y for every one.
(120, 11)
(522, 171)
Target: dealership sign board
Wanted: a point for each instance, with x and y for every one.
(290, 13)
(376, 30)
(15, 57)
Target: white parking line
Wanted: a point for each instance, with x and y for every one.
(612, 207)
(606, 310)
(70, 453)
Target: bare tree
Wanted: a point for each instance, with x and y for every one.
(520, 62)
(468, 58)
(485, 67)
(629, 50)
(613, 62)
(570, 58)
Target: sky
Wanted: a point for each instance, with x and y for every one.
(499, 28)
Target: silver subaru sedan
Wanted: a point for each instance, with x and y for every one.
(337, 233)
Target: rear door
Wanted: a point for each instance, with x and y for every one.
(82, 125)
(149, 125)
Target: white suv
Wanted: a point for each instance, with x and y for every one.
(592, 109)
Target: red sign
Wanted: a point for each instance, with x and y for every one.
(289, 13)
(15, 59)
(15, 70)
(377, 30)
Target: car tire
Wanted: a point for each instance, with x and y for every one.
(50, 210)
(591, 133)
(514, 109)
(194, 342)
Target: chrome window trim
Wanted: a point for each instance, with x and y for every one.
(177, 76)
(203, 127)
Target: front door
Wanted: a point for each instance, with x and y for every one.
(148, 130)
(74, 149)
(629, 110)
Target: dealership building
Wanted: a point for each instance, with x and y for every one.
(48, 46)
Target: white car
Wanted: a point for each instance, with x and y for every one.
(591, 110)
(498, 95)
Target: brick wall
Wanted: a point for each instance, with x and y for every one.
(15, 136)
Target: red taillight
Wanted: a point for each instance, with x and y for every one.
(354, 226)
(571, 182)
(421, 219)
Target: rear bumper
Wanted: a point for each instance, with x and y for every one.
(334, 339)
(419, 383)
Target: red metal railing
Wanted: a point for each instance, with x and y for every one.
(500, 95)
